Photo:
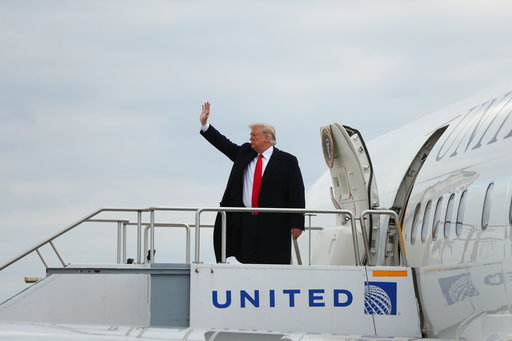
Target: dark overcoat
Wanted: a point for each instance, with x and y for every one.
(282, 187)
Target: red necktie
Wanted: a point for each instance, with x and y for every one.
(257, 182)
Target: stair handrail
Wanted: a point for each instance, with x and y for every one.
(398, 224)
(198, 211)
(65, 230)
(224, 210)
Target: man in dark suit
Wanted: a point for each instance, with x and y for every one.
(261, 176)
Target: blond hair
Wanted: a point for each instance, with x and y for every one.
(267, 130)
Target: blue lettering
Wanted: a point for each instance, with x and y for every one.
(337, 302)
(254, 300)
(216, 300)
(248, 298)
(313, 298)
(272, 298)
(292, 292)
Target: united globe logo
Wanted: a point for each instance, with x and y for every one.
(380, 298)
(377, 301)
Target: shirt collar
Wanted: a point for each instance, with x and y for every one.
(268, 153)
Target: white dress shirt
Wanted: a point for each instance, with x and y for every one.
(249, 175)
(205, 127)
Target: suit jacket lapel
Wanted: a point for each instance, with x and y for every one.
(271, 165)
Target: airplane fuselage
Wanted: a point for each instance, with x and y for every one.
(457, 224)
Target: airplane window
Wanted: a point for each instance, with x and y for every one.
(487, 206)
(426, 215)
(448, 216)
(437, 216)
(460, 213)
(414, 223)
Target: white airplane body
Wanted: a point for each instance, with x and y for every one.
(440, 254)
(461, 250)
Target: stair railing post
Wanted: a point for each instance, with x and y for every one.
(123, 257)
(223, 239)
(309, 242)
(354, 239)
(119, 241)
(58, 254)
(365, 238)
(42, 259)
(197, 236)
(151, 251)
(139, 236)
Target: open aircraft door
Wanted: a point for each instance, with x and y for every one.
(353, 182)
(354, 187)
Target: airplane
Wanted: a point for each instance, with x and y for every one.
(448, 178)
(421, 250)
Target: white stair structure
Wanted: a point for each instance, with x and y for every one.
(219, 299)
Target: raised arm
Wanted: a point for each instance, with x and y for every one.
(213, 136)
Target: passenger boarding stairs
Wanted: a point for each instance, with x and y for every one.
(194, 296)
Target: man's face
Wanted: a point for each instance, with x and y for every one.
(259, 141)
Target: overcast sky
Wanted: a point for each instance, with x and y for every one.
(99, 100)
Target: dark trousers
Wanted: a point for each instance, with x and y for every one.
(256, 244)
